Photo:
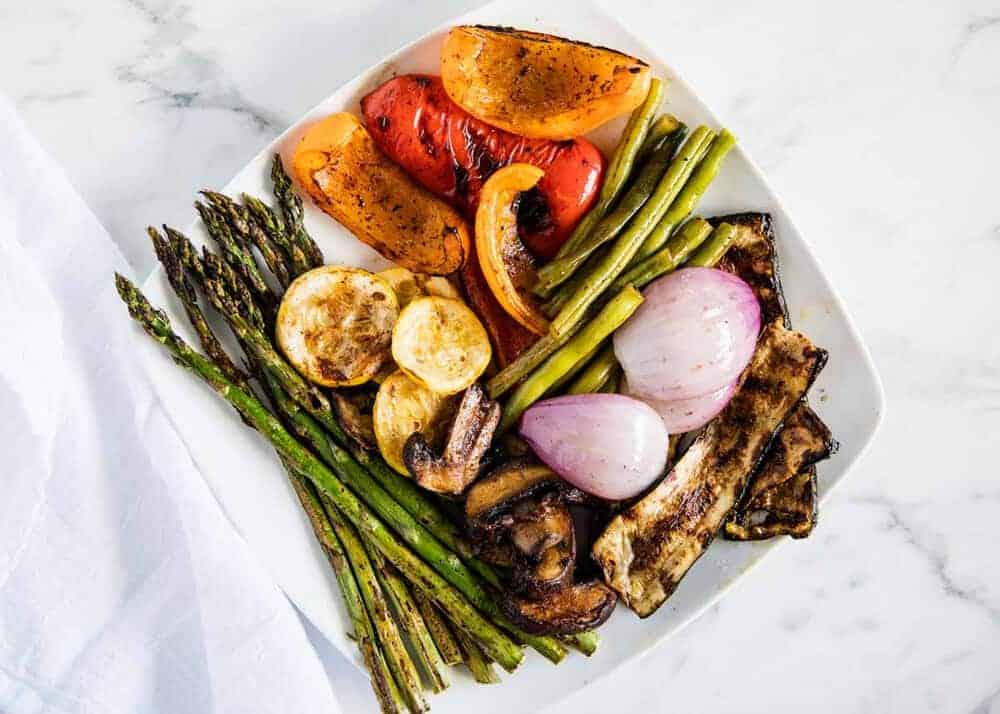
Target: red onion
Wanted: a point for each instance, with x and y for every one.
(693, 334)
(684, 415)
(609, 445)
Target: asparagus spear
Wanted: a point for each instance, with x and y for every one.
(376, 598)
(620, 167)
(411, 622)
(237, 255)
(478, 664)
(386, 691)
(269, 222)
(185, 292)
(585, 642)
(444, 639)
(251, 233)
(600, 328)
(291, 209)
(458, 609)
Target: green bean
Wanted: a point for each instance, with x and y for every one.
(665, 124)
(712, 250)
(609, 319)
(708, 167)
(557, 386)
(625, 247)
(559, 270)
(597, 372)
(517, 370)
(612, 384)
(620, 167)
(683, 243)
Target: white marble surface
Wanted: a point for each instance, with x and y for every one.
(877, 121)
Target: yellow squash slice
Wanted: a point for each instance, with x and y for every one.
(409, 285)
(441, 344)
(403, 407)
(335, 325)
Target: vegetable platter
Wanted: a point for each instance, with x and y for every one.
(266, 505)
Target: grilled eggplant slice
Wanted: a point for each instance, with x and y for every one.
(754, 258)
(469, 438)
(646, 550)
(781, 495)
(568, 611)
(544, 538)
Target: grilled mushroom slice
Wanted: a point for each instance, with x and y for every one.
(468, 439)
(567, 611)
(498, 492)
(544, 538)
(354, 413)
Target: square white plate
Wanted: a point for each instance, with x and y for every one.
(244, 475)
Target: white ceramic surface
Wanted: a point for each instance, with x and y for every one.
(249, 484)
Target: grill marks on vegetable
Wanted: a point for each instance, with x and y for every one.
(645, 551)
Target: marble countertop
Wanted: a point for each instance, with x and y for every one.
(878, 124)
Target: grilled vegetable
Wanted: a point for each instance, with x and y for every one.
(441, 344)
(508, 268)
(539, 85)
(497, 492)
(569, 610)
(408, 285)
(469, 437)
(787, 507)
(781, 496)
(608, 445)
(645, 551)
(335, 325)
(452, 154)
(404, 407)
(339, 166)
(693, 335)
(753, 257)
(353, 410)
(541, 531)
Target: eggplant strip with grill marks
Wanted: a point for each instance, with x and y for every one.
(781, 496)
(787, 505)
(646, 550)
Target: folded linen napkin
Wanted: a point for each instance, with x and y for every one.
(123, 587)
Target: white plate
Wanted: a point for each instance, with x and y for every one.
(245, 477)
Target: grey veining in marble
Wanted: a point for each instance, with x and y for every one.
(877, 121)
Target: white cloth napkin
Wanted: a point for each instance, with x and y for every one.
(123, 588)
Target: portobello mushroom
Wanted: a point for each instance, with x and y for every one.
(646, 550)
(754, 258)
(544, 539)
(780, 497)
(468, 440)
(567, 611)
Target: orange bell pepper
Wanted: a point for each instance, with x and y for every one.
(507, 265)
